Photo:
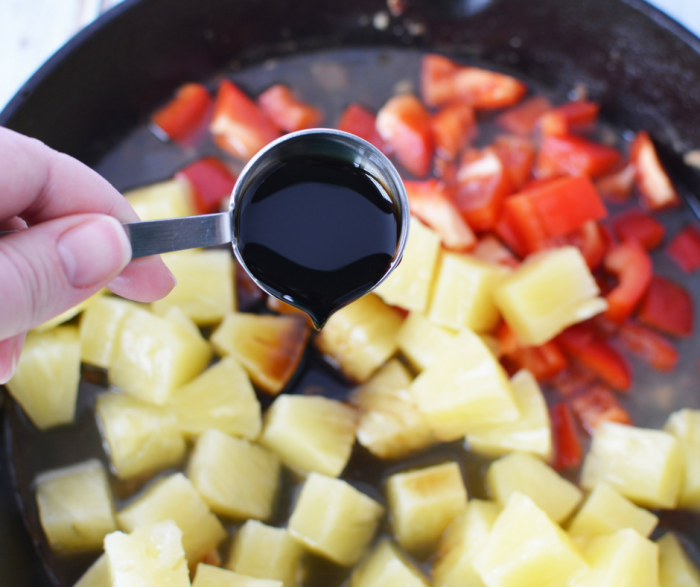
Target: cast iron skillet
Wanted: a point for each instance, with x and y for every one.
(644, 67)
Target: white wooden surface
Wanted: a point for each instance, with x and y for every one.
(32, 30)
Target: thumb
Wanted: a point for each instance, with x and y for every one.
(55, 265)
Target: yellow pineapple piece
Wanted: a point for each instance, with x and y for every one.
(386, 567)
(421, 341)
(548, 292)
(266, 552)
(97, 575)
(75, 506)
(235, 477)
(525, 548)
(391, 425)
(175, 498)
(100, 326)
(461, 542)
(410, 284)
(361, 336)
(685, 426)
(622, 559)
(310, 433)
(605, 511)
(334, 520)
(151, 556)
(204, 290)
(209, 576)
(463, 293)
(70, 313)
(646, 466)
(268, 347)
(464, 389)
(223, 398)
(531, 433)
(675, 567)
(46, 381)
(154, 355)
(423, 503)
(523, 473)
(142, 438)
(167, 199)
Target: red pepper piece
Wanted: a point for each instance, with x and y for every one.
(591, 240)
(652, 181)
(360, 122)
(211, 181)
(522, 119)
(649, 345)
(567, 446)
(573, 380)
(579, 115)
(286, 111)
(180, 117)
(453, 127)
(517, 155)
(520, 217)
(505, 229)
(635, 225)
(632, 266)
(667, 307)
(553, 124)
(684, 249)
(491, 250)
(617, 186)
(573, 155)
(597, 405)
(544, 361)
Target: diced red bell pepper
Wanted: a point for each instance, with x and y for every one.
(446, 170)
(633, 268)
(635, 225)
(684, 249)
(453, 127)
(652, 181)
(573, 380)
(650, 346)
(211, 180)
(553, 124)
(573, 155)
(591, 240)
(482, 185)
(360, 122)
(505, 229)
(430, 201)
(544, 361)
(579, 115)
(443, 81)
(567, 446)
(667, 307)
(517, 155)
(286, 111)
(491, 250)
(617, 186)
(180, 117)
(597, 405)
(404, 123)
(520, 226)
(580, 342)
(238, 124)
(522, 119)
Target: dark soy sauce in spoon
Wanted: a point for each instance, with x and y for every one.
(317, 232)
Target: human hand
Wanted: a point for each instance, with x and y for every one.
(73, 247)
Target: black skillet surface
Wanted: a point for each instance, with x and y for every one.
(643, 67)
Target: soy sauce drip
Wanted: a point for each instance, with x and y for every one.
(317, 232)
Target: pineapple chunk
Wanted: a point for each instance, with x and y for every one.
(100, 326)
(334, 520)
(461, 542)
(531, 433)
(266, 552)
(209, 576)
(204, 290)
(268, 347)
(524, 548)
(463, 293)
(421, 341)
(465, 388)
(70, 313)
(154, 355)
(646, 466)
(675, 567)
(548, 292)
(151, 556)
(386, 567)
(175, 498)
(46, 381)
(391, 425)
(167, 199)
(97, 575)
(235, 477)
(685, 426)
(75, 506)
(310, 433)
(361, 336)
(141, 438)
(622, 559)
(223, 398)
(521, 472)
(409, 285)
(423, 503)
(605, 511)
